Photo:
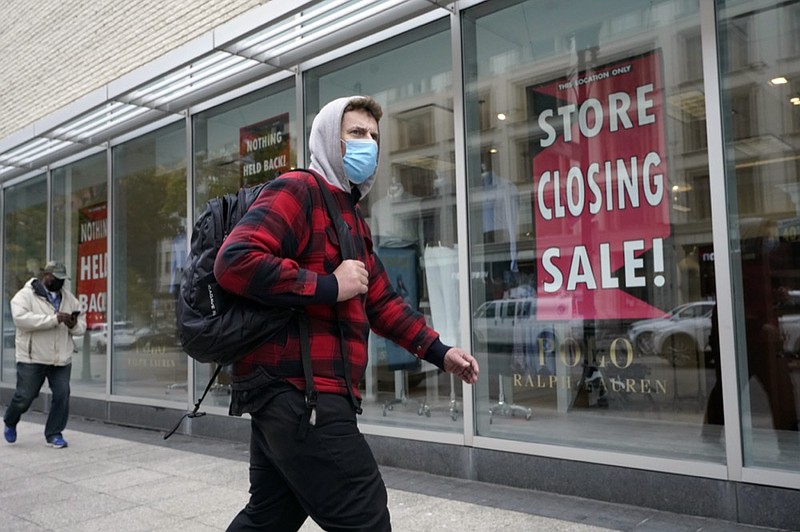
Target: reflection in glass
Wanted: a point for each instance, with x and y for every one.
(591, 260)
(411, 211)
(24, 255)
(80, 236)
(149, 191)
(236, 145)
(764, 197)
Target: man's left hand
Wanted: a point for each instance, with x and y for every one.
(461, 364)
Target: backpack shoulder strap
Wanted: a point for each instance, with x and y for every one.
(346, 245)
(347, 249)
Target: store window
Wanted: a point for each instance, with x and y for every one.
(24, 252)
(247, 141)
(763, 180)
(149, 220)
(411, 210)
(80, 239)
(590, 234)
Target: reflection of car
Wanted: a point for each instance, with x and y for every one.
(682, 336)
(641, 332)
(123, 333)
(147, 337)
(499, 321)
(685, 331)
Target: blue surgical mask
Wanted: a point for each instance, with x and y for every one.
(360, 159)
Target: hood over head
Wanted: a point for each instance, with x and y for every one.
(325, 143)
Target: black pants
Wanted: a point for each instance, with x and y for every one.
(331, 475)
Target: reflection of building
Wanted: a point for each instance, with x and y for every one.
(460, 117)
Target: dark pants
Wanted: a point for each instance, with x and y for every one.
(30, 378)
(331, 475)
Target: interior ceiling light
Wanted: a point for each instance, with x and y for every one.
(780, 80)
(795, 100)
(501, 116)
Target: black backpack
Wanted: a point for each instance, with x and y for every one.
(216, 326)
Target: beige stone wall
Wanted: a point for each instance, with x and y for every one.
(53, 52)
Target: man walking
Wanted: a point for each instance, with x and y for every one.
(46, 316)
(315, 462)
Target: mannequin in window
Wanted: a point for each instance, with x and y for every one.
(500, 222)
(500, 211)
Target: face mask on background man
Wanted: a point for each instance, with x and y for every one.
(53, 284)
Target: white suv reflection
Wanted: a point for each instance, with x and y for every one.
(510, 322)
(683, 332)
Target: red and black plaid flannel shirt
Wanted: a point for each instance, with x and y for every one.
(284, 252)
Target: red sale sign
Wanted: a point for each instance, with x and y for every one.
(601, 196)
(93, 262)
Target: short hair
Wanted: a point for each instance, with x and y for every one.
(368, 104)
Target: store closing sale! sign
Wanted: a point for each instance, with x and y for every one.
(601, 196)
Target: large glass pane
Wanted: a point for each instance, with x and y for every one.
(241, 143)
(590, 226)
(24, 254)
(760, 77)
(79, 237)
(149, 217)
(411, 211)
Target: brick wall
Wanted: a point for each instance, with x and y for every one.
(54, 52)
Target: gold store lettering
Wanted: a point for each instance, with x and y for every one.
(571, 355)
(639, 386)
(150, 363)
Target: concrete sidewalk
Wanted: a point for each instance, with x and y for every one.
(120, 479)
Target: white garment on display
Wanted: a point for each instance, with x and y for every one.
(441, 269)
(501, 209)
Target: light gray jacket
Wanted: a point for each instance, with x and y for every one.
(40, 339)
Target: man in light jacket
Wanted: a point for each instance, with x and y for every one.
(46, 316)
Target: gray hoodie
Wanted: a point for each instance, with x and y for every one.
(325, 145)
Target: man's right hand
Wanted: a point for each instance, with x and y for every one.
(353, 279)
